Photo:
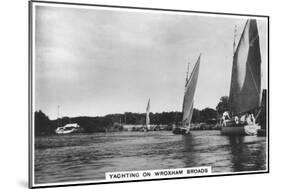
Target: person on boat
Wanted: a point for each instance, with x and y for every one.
(225, 117)
(243, 119)
(253, 119)
(249, 119)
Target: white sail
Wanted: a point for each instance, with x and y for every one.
(189, 112)
(189, 93)
(246, 71)
(147, 114)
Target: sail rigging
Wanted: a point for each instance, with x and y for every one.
(246, 71)
(190, 87)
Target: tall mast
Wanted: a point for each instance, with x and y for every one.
(187, 76)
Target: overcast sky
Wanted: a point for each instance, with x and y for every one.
(97, 61)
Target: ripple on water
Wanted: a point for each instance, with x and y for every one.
(81, 157)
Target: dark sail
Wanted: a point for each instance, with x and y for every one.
(246, 71)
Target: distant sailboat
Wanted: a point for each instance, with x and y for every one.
(189, 92)
(147, 120)
(147, 115)
(245, 81)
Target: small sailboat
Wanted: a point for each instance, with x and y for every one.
(147, 115)
(189, 92)
(147, 120)
(245, 89)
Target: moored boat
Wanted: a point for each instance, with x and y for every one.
(68, 128)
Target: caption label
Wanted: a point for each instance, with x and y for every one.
(156, 174)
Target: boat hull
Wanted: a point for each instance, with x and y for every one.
(66, 132)
(240, 130)
(61, 132)
(181, 131)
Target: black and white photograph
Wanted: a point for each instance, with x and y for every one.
(122, 94)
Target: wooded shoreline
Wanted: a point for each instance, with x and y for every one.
(115, 122)
(206, 119)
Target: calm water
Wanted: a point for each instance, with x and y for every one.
(82, 157)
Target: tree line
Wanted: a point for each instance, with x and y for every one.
(45, 126)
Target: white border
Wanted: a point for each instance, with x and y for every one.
(147, 10)
(135, 9)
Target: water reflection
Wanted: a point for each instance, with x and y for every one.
(89, 156)
(248, 154)
(188, 148)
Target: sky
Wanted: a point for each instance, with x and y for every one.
(95, 61)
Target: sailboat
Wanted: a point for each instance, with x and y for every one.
(147, 115)
(147, 126)
(244, 97)
(188, 99)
